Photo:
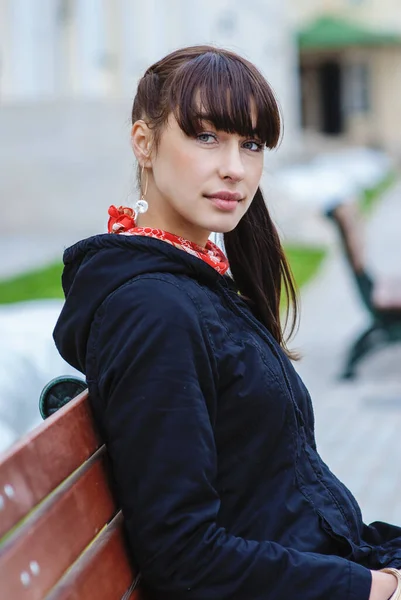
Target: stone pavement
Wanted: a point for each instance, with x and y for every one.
(358, 423)
(61, 166)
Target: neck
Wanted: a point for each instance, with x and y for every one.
(181, 229)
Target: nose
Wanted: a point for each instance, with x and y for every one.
(231, 163)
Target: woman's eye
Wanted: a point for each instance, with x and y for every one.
(206, 138)
(254, 146)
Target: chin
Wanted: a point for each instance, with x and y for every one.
(224, 225)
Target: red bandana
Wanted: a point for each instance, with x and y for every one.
(122, 221)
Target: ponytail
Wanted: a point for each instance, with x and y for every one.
(260, 269)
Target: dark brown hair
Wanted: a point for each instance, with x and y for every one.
(208, 83)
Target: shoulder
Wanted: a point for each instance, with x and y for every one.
(156, 294)
(157, 307)
(159, 303)
(152, 313)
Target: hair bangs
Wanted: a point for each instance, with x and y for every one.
(228, 92)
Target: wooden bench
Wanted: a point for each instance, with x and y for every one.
(381, 298)
(61, 535)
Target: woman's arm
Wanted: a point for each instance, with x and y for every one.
(157, 382)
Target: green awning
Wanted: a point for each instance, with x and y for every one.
(331, 32)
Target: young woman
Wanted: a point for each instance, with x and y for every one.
(209, 427)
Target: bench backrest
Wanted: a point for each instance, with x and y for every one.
(61, 531)
(348, 219)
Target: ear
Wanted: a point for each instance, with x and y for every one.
(141, 141)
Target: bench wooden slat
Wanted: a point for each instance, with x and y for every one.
(350, 225)
(102, 572)
(53, 537)
(37, 464)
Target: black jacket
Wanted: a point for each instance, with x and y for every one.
(211, 434)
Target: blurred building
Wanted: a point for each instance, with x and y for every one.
(350, 59)
(348, 86)
(52, 49)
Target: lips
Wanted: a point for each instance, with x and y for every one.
(228, 196)
(225, 201)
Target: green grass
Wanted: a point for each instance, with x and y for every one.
(304, 262)
(39, 284)
(370, 196)
(46, 282)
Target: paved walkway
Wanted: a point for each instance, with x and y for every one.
(358, 423)
(59, 172)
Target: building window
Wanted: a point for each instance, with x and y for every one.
(357, 88)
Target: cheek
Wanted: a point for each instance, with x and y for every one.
(255, 171)
(192, 167)
(180, 163)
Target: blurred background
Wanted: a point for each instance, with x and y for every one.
(68, 73)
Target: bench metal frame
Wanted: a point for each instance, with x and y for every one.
(385, 324)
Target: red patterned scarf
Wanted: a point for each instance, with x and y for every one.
(122, 221)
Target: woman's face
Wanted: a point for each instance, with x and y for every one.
(199, 185)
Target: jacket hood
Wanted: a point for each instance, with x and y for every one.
(97, 266)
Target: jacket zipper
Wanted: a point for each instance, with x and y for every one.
(256, 327)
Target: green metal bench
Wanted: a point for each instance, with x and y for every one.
(382, 299)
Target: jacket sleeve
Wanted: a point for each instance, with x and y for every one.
(386, 539)
(156, 382)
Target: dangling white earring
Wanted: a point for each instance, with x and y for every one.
(142, 205)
